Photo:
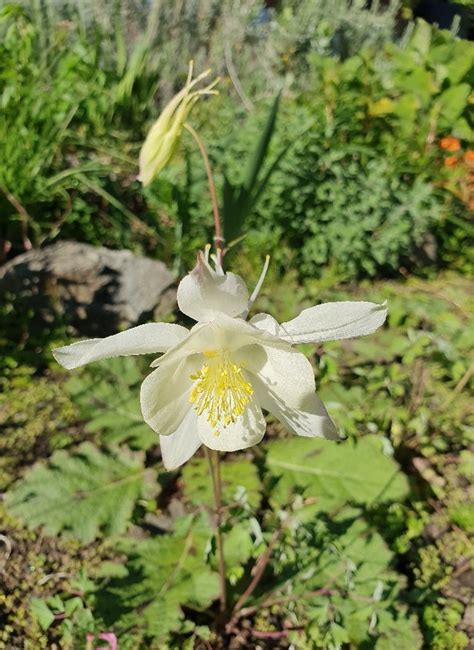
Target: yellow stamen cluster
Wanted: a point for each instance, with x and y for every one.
(221, 390)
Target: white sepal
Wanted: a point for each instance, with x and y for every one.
(284, 384)
(334, 320)
(164, 397)
(144, 339)
(204, 293)
(178, 447)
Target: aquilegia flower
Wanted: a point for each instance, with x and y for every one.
(212, 382)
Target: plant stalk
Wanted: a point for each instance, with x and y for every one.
(23, 214)
(215, 466)
(218, 237)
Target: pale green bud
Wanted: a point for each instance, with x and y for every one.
(165, 134)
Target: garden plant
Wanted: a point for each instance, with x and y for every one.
(282, 459)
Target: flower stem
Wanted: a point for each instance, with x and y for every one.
(218, 237)
(257, 572)
(215, 466)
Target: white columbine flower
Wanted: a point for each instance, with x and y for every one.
(212, 382)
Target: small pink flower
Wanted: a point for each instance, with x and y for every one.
(110, 638)
(104, 636)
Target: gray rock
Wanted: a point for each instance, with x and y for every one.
(96, 290)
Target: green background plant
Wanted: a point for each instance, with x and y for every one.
(360, 138)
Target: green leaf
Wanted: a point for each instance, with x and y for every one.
(239, 479)
(462, 515)
(359, 546)
(461, 61)
(452, 103)
(262, 147)
(462, 130)
(41, 612)
(239, 200)
(398, 632)
(237, 546)
(353, 560)
(421, 37)
(334, 474)
(342, 553)
(87, 492)
(164, 574)
(353, 555)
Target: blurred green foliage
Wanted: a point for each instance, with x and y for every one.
(360, 185)
(65, 129)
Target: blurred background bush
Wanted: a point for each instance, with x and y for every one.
(369, 97)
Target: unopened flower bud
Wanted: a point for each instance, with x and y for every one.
(165, 134)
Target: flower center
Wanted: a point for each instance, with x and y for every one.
(220, 389)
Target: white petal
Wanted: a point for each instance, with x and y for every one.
(225, 333)
(144, 339)
(178, 447)
(284, 384)
(334, 320)
(164, 397)
(266, 323)
(246, 431)
(204, 294)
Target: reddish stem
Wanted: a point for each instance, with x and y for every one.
(218, 237)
